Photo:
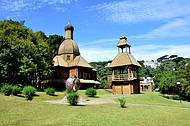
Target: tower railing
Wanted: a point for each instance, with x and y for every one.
(120, 77)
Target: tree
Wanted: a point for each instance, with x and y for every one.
(24, 55)
(15, 43)
(54, 41)
(102, 72)
(162, 58)
(173, 70)
(185, 81)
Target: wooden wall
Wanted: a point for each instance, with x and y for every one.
(125, 87)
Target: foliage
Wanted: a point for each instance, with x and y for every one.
(25, 56)
(185, 81)
(1, 85)
(54, 41)
(72, 98)
(147, 71)
(6, 89)
(104, 84)
(102, 72)
(171, 70)
(50, 91)
(122, 102)
(16, 90)
(91, 92)
(29, 92)
(168, 84)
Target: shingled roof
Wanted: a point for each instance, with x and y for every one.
(80, 61)
(124, 59)
(59, 61)
(68, 46)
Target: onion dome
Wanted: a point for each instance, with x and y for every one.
(68, 46)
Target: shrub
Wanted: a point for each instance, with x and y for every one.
(91, 92)
(16, 90)
(72, 98)
(50, 91)
(122, 102)
(6, 89)
(29, 92)
(1, 85)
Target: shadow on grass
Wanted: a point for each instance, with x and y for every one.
(109, 91)
(55, 95)
(19, 95)
(141, 93)
(77, 105)
(173, 97)
(93, 96)
(36, 95)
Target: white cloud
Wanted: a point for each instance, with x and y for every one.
(143, 52)
(131, 11)
(100, 41)
(20, 5)
(173, 29)
(98, 54)
(149, 52)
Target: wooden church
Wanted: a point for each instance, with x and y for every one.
(69, 62)
(125, 70)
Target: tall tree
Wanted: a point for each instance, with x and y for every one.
(24, 55)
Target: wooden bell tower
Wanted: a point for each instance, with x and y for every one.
(125, 70)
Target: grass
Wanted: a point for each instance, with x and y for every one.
(149, 109)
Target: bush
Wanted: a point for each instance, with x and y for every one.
(50, 91)
(6, 89)
(122, 102)
(16, 90)
(72, 98)
(91, 92)
(29, 92)
(1, 85)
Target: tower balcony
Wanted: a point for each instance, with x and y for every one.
(120, 77)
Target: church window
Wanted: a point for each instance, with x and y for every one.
(68, 57)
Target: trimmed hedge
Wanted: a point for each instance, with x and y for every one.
(6, 89)
(50, 91)
(29, 92)
(72, 98)
(91, 92)
(16, 90)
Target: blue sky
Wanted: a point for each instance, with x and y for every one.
(153, 28)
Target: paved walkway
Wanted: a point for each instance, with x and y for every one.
(96, 101)
(82, 101)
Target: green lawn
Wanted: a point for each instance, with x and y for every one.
(148, 109)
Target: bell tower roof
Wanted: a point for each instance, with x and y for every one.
(124, 58)
(123, 42)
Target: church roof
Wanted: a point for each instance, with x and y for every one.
(124, 59)
(78, 61)
(69, 27)
(59, 61)
(68, 46)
